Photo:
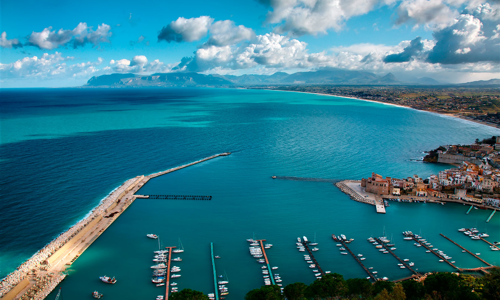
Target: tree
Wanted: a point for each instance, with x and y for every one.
(295, 291)
(398, 292)
(189, 294)
(379, 286)
(413, 289)
(491, 281)
(383, 295)
(266, 292)
(445, 284)
(331, 285)
(359, 286)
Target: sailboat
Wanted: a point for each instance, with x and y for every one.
(180, 249)
(224, 280)
(58, 296)
(314, 243)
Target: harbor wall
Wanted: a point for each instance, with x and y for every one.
(354, 196)
(17, 289)
(456, 159)
(64, 249)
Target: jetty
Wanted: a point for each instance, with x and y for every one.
(357, 193)
(167, 284)
(176, 197)
(214, 271)
(482, 260)
(59, 254)
(434, 252)
(491, 216)
(393, 254)
(267, 260)
(344, 244)
(491, 244)
(312, 257)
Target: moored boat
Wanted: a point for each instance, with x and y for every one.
(97, 295)
(107, 279)
(152, 236)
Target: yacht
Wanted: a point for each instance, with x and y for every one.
(274, 268)
(393, 248)
(343, 253)
(342, 249)
(299, 240)
(158, 280)
(314, 249)
(406, 259)
(462, 229)
(177, 259)
(107, 279)
(360, 255)
(483, 235)
(175, 275)
(152, 236)
(362, 258)
(475, 237)
(312, 266)
(159, 266)
(411, 264)
(160, 284)
(493, 248)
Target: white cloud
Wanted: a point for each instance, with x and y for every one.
(425, 12)
(5, 43)
(186, 30)
(138, 65)
(224, 33)
(79, 36)
(300, 17)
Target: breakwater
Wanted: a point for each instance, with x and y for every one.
(69, 245)
(343, 186)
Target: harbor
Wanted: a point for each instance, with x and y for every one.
(473, 254)
(62, 252)
(358, 260)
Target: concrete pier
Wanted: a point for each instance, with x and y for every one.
(434, 252)
(267, 261)
(312, 257)
(470, 208)
(358, 260)
(357, 193)
(400, 260)
(491, 216)
(167, 284)
(214, 271)
(482, 260)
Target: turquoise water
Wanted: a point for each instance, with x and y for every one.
(55, 149)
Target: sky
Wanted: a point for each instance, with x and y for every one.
(63, 43)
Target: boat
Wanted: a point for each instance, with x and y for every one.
(360, 255)
(494, 248)
(411, 264)
(334, 237)
(462, 229)
(173, 284)
(478, 254)
(159, 297)
(483, 235)
(407, 238)
(299, 240)
(160, 284)
(314, 249)
(158, 280)
(374, 272)
(342, 249)
(152, 236)
(362, 258)
(370, 268)
(175, 275)
(475, 237)
(223, 282)
(343, 253)
(428, 251)
(338, 245)
(96, 295)
(393, 248)
(385, 278)
(177, 259)
(402, 267)
(159, 266)
(305, 239)
(309, 261)
(107, 279)
(406, 259)
(180, 249)
(274, 268)
(161, 252)
(312, 266)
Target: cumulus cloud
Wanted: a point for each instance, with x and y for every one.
(415, 47)
(224, 33)
(468, 40)
(300, 17)
(426, 12)
(139, 64)
(79, 36)
(47, 66)
(185, 30)
(6, 43)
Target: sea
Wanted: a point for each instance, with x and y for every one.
(63, 150)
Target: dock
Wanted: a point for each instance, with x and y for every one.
(177, 197)
(167, 284)
(267, 261)
(434, 252)
(358, 260)
(357, 193)
(400, 260)
(470, 208)
(215, 272)
(482, 260)
(491, 216)
(313, 258)
(493, 245)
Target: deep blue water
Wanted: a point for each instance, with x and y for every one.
(63, 150)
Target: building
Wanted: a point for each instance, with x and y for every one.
(377, 185)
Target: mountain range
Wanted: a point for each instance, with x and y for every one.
(329, 76)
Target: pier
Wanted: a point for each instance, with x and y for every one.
(357, 193)
(167, 284)
(482, 260)
(312, 257)
(177, 197)
(400, 260)
(358, 260)
(434, 252)
(470, 208)
(482, 239)
(215, 271)
(267, 261)
(491, 216)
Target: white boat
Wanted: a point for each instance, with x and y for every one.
(152, 236)
(177, 259)
(339, 245)
(173, 284)
(393, 248)
(428, 251)
(180, 249)
(360, 255)
(342, 249)
(312, 266)
(107, 279)
(494, 248)
(362, 258)
(95, 294)
(305, 239)
(462, 229)
(159, 297)
(478, 254)
(299, 240)
(274, 268)
(483, 235)
(160, 284)
(316, 271)
(411, 264)
(406, 259)
(175, 275)
(374, 272)
(343, 253)
(317, 274)
(407, 238)
(161, 251)
(309, 262)
(402, 267)
(157, 280)
(314, 249)
(441, 260)
(475, 237)
(223, 282)
(159, 266)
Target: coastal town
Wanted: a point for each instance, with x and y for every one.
(475, 180)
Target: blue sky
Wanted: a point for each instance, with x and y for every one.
(64, 43)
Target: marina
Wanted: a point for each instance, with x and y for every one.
(397, 257)
(216, 290)
(441, 257)
(267, 261)
(306, 246)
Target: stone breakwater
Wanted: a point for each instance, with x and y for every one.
(43, 287)
(38, 261)
(353, 194)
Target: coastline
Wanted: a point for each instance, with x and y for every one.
(41, 273)
(400, 106)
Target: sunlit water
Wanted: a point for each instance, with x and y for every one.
(63, 150)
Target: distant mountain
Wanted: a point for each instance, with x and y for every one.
(326, 76)
(489, 83)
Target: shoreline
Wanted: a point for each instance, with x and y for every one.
(397, 105)
(64, 249)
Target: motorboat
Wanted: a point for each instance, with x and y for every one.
(462, 229)
(406, 259)
(96, 295)
(107, 279)
(177, 259)
(159, 266)
(309, 261)
(334, 237)
(483, 235)
(411, 264)
(314, 249)
(343, 253)
(160, 284)
(158, 280)
(274, 268)
(393, 248)
(159, 297)
(362, 258)
(342, 249)
(152, 236)
(175, 275)
(312, 266)
(360, 255)
(299, 240)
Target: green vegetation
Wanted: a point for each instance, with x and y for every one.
(189, 294)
